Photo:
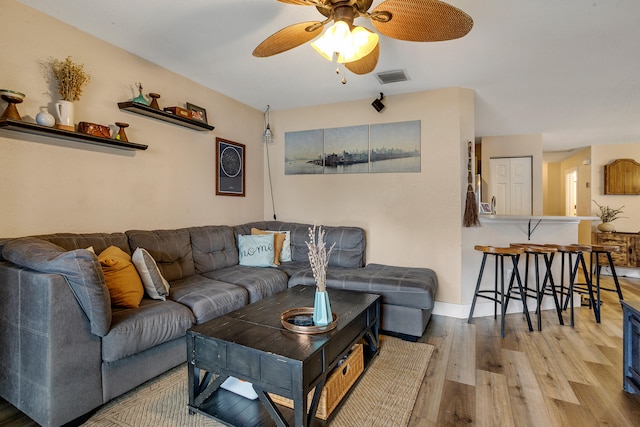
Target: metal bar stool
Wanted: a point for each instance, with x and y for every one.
(498, 295)
(595, 252)
(568, 251)
(540, 291)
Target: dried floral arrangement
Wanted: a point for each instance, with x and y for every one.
(608, 214)
(71, 77)
(319, 257)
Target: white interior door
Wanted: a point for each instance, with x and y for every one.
(500, 185)
(511, 182)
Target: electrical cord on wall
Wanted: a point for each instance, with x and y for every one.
(273, 205)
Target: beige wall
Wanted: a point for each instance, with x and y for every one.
(411, 219)
(580, 161)
(602, 155)
(514, 146)
(48, 185)
(552, 190)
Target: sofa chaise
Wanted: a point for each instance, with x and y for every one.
(65, 351)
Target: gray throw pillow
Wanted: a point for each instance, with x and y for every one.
(154, 283)
(79, 267)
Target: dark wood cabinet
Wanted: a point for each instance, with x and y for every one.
(631, 346)
(622, 176)
(629, 246)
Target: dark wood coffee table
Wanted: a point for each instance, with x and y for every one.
(251, 344)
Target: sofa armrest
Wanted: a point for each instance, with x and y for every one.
(50, 362)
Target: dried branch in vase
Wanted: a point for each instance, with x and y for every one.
(319, 257)
(608, 214)
(71, 78)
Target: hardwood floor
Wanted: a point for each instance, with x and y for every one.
(561, 376)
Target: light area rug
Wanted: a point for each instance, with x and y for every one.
(384, 396)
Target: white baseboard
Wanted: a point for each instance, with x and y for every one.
(622, 272)
(485, 308)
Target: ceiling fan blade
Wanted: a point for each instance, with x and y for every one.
(366, 64)
(422, 20)
(300, 2)
(287, 38)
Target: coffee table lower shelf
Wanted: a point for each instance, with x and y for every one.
(234, 410)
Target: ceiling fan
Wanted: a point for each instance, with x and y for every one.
(357, 47)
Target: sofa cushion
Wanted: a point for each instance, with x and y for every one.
(99, 241)
(245, 229)
(207, 298)
(170, 248)
(151, 324)
(404, 286)
(122, 278)
(80, 269)
(256, 250)
(214, 247)
(154, 283)
(293, 267)
(349, 250)
(258, 282)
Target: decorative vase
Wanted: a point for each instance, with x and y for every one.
(322, 314)
(606, 227)
(64, 112)
(140, 99)
(43, 118)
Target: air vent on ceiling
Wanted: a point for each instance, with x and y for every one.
(392, 76)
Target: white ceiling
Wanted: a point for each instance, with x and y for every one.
(569, 69)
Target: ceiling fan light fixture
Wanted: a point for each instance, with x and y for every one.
(349, 45)
(364, 41)
(336, 38)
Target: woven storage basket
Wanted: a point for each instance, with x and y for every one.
(338, 384)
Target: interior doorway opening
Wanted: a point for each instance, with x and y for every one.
(571, 192)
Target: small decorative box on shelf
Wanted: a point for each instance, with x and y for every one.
(34, 129)
(145, 110)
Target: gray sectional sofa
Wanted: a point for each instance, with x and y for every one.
(64, 351)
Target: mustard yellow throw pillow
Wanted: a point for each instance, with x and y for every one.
(123, 281)
(278, 241)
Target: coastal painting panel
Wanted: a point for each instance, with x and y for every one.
(346, 150)
(395, 147)
(381, 148)
(304, 152)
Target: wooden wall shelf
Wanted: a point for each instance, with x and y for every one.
(145, 110)
(35, 129)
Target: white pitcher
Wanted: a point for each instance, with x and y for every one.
(64, 112)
